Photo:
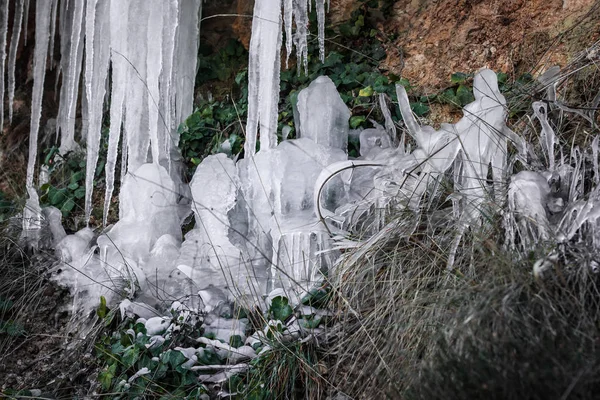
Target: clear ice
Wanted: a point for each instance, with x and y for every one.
(270, 223)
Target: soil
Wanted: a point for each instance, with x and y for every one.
(38, 358)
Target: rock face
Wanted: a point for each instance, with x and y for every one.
(439, 38)
(436, 38)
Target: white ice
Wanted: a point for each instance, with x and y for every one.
(323, 115)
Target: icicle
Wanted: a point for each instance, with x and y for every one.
(389, 122)
(154, 66)
(321, 22)
(96, 70)
(167, 112)
(548, 137)
(26, 16)
(3, 34)
(42, 35)
(70, 90)
(136, 110)
(12, 56)
(186, 55)
(32, 215)
(301, 36)
(595, 159)
(288, 11)
(52, 33)
(119, 15)
(263, 75)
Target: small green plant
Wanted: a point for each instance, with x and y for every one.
(136, 364)
(67, 187)
(8, 326)
(8, 207)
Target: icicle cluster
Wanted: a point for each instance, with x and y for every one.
(148, 46)
(264, 64)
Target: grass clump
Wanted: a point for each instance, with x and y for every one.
(488, 329)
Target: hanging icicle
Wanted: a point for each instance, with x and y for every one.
(3, 34)
(96, 71)
(12, 55)
(264, 62)
(263, 76)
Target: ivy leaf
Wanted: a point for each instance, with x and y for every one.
(130, 356)
(236, 341)
(175, 359)
(459, 77)
(366, 92)
(58, 197)
(79, 193)
(464, 95)
(106, 376)
(310, 323)
(280, 309)
(316, 297)
(356, 120)
(68, 206)
(73, 186)
(420, 109)
(76, 177)
(502, 77)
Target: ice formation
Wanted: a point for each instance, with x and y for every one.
(269, 224)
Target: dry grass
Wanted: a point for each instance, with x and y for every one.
(489, 328)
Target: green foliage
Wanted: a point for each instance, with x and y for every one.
(280, 309)
(288, 371)
(8, 326)
(129, 350)
(217, 123)
(66, 188)
(11, 328)
(221, 65)
(8, 207)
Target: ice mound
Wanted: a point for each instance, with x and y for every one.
(322, 114)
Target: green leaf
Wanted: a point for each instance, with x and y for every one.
(239, 78)
(280, 309)
(356, 120)
(68, 206)
(459, 77)
(79, 193)
(366, 92)
(130, 356)
(316, 297)
(502, 77)
(117, 348)
(310, 323)
(106, 376)
(236, 341)
(420, 109)
(160, 371)
(73, 186)
(175, 359)
(58, 197)
(102, 309)
(464, 95)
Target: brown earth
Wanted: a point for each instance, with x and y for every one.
(433, 39)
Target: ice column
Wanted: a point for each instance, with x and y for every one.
(263, 76)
